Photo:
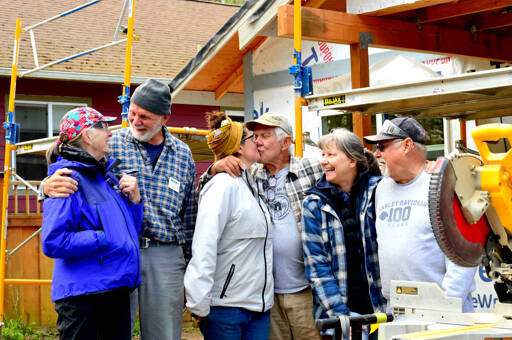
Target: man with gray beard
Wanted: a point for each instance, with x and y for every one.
(165, 171)
(407, 246)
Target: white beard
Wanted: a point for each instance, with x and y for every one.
(144, 135)
(383, 168)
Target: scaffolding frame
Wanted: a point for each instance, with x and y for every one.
(13, 129)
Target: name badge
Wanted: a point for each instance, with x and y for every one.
(174, 184)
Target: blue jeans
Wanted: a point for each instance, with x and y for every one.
(231, 323)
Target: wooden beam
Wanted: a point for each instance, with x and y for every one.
(232, 80)
(344, 28)
(463, 7)
(381, 8)
(314, 3)
(496, 21)
(359, 66)
(360, 77)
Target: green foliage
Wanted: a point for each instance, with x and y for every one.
(136, 328)
(15, 329)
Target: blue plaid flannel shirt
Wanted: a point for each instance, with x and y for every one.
(324, 253)
(169, 216)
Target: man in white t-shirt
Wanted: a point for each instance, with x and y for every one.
(407, 247)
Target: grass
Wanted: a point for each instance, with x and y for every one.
(15, 329)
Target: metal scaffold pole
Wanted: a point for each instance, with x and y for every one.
(11, 137)
(125, 98)
(303, 83)
(297, 45)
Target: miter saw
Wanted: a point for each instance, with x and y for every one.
(470, 206)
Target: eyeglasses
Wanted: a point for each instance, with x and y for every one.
(251, 137)
(270, 189)
(265, 136)
(100, 124)
(382, 147)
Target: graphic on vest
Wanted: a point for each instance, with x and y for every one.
(279, 207)
(398, 213)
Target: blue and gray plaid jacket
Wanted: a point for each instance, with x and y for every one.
(169, 215)
(325, 253)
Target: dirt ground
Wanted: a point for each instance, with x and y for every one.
(190, 332)
(187, 334)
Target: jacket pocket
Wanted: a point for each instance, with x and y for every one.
(228, 280)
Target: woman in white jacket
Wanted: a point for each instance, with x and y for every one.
(228, 282)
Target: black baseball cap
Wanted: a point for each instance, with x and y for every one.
(399, 128)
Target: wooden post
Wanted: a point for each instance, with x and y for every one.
(360, 74)
(462, 127)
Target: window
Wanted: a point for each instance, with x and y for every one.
(433, 126)
(38, 119)
(344, 120)
(236, 115)
(435, 136)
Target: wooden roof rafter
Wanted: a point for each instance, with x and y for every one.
(344, 28)
(401, 7)
(496, 21)
(461, 8)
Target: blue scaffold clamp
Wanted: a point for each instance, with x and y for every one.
(125, 101)
(303, 79)
(12, 130)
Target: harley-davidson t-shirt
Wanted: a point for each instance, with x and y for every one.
(407, 246)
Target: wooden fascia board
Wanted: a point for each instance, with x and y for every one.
(344, 28)
(232, 80)
(232, 34)
(463, 7)
(496, 21)
(248, 31)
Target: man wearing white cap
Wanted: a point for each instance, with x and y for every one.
(282, 181)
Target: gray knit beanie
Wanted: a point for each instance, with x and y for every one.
(154, 96)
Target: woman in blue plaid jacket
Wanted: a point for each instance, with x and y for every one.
(338, 235)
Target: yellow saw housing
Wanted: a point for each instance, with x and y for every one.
(495, 174)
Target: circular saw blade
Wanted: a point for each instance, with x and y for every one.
(461, 242)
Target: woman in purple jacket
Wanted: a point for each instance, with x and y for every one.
(92, 234)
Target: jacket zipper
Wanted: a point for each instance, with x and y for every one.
(228, 279)
(264, 261)
(131, 236)
(257, 197)
(102, 228)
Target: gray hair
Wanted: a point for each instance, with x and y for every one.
(422, 148)
(348, 142)
(280, 133)
(54, 149)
